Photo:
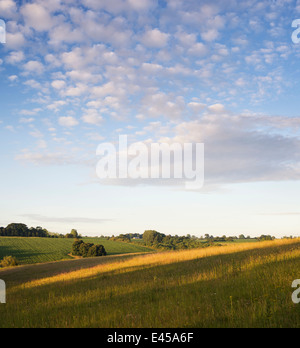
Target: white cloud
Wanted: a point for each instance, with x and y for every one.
(58, 84)
(68, 121)
(30, 112)
(26, 120)
(210, 35)
(8, 9)
(15, 57)
(75, 91)
(65, 33)
(163, 105)
(34, 67)
(56, 105)
(13, 78)
(198, 49)
(217, 108)
(15, 40)
(33, 84)
(141, 5)
(92, 116)
(197, 107)
(37, 17)
(155, 38)
(36, 133)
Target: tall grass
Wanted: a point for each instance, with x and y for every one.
(242, 285)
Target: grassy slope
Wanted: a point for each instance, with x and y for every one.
(242, 285)
(39, 250)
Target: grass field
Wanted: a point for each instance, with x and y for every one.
(39, 250)
(239, 285)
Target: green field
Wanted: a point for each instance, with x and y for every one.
(237, 285)
(40, 250)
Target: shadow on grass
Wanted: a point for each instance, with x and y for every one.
(37, 272)
(156, 297)
(18, 275)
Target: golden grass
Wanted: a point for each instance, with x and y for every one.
(165, 258)
(237, 285)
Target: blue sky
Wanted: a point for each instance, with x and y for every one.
(75, 74)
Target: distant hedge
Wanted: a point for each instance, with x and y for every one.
(79, 248)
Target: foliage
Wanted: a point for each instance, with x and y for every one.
(9, 261)
(96, 250)
(73, 234)
(160, 241)
(79, 248)
(122, 238)
(265, 237)
(151, 237)
(21, 230)
(76, 247)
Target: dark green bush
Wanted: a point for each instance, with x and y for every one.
(79, 248)
(75, 247)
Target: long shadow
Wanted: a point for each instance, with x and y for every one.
(25, 273)
(148, 296)
(20, 254)
(167, 271)
(55, 268)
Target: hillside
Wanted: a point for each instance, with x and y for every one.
(240, 285)
(39, 250)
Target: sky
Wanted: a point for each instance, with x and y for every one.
(76, 74)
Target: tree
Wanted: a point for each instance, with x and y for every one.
(79, 248)
(76, 247)
(20, 230)
(74, 233)
(151, 237)
(84, 249)
(96, 250)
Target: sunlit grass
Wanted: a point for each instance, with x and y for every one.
(146, 261)
(242, 285)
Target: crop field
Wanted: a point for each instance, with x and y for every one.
(40, 250)
(238, 285)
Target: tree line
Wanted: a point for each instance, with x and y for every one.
(159, 240)
(22, 230)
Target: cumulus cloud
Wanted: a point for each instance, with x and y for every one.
(58, 84)
(15, 57)
(8, 9)
(34, 67)
(37, 17)
(119, 60)
(92, 116)
(68, 121)
(155, 38)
